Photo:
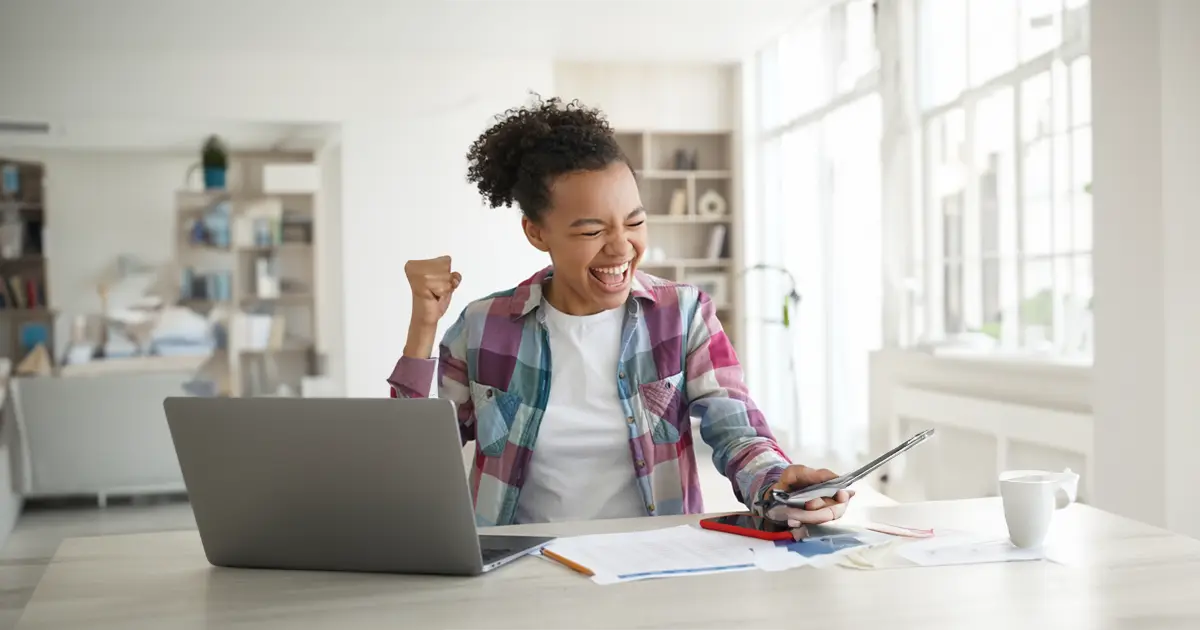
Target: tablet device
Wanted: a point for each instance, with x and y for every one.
(797, 498)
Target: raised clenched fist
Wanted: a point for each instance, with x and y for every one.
(433, 283)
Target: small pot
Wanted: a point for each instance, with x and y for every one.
(214, 178)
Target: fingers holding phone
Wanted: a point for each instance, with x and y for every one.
(815, 511)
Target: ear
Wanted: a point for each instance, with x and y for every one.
(533, 232)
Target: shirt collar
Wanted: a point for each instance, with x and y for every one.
(528, 295)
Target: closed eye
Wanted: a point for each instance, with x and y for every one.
(637, 224)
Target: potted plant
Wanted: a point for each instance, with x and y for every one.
(215, 161)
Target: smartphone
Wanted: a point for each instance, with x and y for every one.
(749, 525)
(797, 498)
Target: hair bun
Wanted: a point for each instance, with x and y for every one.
(515, 159)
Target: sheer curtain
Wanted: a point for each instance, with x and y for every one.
(819, 220)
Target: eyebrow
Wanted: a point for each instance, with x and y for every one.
(583, 222)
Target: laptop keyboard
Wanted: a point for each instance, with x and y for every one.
(493, 555)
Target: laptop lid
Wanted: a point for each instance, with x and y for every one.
(353, 484)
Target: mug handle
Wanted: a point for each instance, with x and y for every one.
(1062, 496)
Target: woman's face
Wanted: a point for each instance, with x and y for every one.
(595, 233)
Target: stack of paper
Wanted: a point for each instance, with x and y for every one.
(689, 550)
(673, 551)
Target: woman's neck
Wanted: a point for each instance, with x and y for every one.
(566, 301)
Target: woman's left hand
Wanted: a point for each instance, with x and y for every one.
(816, 511)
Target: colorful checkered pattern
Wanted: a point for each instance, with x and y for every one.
(675, 364)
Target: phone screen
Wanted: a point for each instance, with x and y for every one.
(747, 521)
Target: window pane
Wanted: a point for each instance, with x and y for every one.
(1038, 222)
(1082, 216)
(802, 72)
(995, 169)
(1081, 91)
(1036, 107)
(1060, 103)
(1036, 182)
(769, 81)
(952, 298)
(946, 138)
(1001, 302)
(952, 227)
(1081, 149)
(1080, 307)
(1066, 323)
(1062, 192)
(972, 279)
(853, 29)
(1037, 306)
(993, 38)
(916, 297)
(942, 50)
(1040, 27)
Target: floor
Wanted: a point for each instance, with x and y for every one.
(42, 528)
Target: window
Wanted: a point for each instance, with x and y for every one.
(1000, 250)
(820, 132)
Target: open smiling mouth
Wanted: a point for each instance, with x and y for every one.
(611, 278)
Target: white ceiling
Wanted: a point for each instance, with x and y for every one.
(596, 30)
(574, 30)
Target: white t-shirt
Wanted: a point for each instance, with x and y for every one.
(582, 466)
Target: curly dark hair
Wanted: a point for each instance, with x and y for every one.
(517, 159)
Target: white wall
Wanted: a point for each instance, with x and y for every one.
(327, 244)
(1146, 91)
(99, 206)
(406, 197)
(962, 460)
(662, 97)
(407, 124)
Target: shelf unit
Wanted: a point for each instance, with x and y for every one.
(25, 316)
(245, 258)
(691, 240)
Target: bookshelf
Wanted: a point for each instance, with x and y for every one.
(245, 258)
(688, 186)
(25, 317)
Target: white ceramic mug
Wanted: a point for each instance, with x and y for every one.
(1030, 499)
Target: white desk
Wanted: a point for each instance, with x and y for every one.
(1123, 574)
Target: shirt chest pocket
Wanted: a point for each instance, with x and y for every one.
(495, 414)
(663, 405)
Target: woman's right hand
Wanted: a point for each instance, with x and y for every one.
(433, 283)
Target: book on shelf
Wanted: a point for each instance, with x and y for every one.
(213, 286)
(21, 292)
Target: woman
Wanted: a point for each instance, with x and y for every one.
(579, 384)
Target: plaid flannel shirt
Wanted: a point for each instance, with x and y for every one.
(675, 363)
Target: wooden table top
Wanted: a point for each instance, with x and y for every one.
(1114, 573)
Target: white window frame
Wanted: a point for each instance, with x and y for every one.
(931, 263)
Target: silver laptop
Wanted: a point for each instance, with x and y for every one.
(339, 484)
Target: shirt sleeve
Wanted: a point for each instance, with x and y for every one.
(744, 449)
(412, 377)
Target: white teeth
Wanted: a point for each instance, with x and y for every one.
(612, 271)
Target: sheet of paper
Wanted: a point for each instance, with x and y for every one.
(822, 551)
(669, 552)
(966, 550)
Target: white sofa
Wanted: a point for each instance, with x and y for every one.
(98, 435)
